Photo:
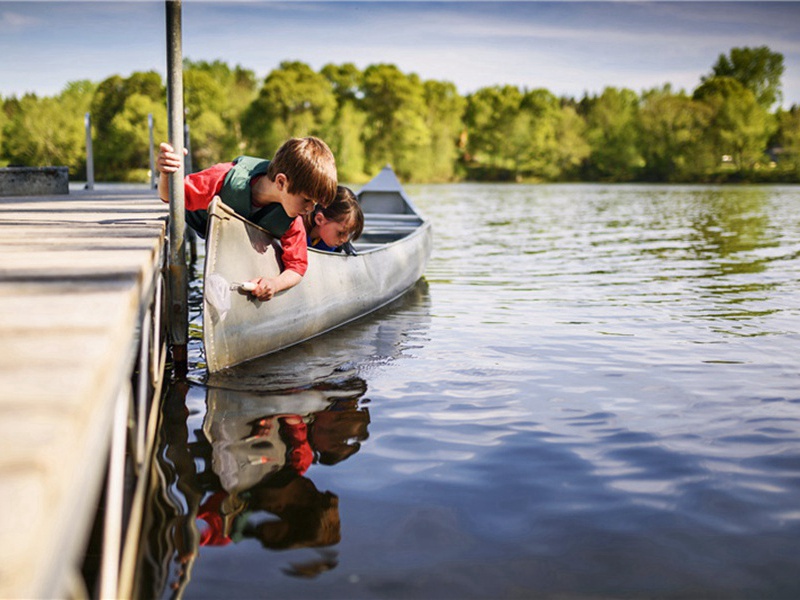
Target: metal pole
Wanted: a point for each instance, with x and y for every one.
(115, 483)
(87, 121)
(178, 282)
(152, 152)
(188, 142)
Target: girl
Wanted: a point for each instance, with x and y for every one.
(334, 227)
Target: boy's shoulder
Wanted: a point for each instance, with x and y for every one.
(253, 164)
(243, 170)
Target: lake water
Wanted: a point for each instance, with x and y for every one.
(593, 393)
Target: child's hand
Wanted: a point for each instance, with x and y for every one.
(167, 161)
(265, 288)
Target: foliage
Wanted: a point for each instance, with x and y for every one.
(294, 101)
(3, 122)
(215, 96)
(613, 134)
(739, 127)
(788, 140)
(444, 120)
(49, 131)
(120, 110)
(395, 132)
(723, 131)
(757, 69)
(673, 145)
(572, 148)
(344, 134)
(495, 128)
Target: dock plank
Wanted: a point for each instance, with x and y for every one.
(74, 272)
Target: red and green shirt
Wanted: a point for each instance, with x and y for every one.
(232, 182)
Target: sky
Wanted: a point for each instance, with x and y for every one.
(569, 48)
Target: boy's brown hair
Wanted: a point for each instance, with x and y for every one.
(345, 207)
(309, 167)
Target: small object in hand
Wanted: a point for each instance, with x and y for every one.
(247, 286)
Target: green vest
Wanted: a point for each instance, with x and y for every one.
(237, 194)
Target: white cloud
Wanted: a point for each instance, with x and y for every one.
(567, 47)
(14, 21)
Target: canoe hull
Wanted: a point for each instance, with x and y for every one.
(335, 290)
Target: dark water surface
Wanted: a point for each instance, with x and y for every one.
(593, 393)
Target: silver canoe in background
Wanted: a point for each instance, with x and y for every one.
(391, 256)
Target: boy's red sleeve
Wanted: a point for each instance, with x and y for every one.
(199, 188)
(299, 453)
(295, 251)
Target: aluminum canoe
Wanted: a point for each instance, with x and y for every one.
(392, 254)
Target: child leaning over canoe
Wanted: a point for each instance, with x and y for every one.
(332, 228)
(274, 194)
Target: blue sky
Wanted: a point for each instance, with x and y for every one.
(566, 47)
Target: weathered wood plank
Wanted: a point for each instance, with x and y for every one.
(75, 273)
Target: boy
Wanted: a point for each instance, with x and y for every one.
(273, 194)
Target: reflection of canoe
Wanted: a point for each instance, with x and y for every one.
(392, 254)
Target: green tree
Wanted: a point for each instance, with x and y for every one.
(495, 131)
(129, 138)
(738, 127)
(120, 109)
(572, 148)
(396, 131)
(216, 98)
(758, 69)
(673, 144)
(444, 119)
(613, 135)
(549, 139)
(345, 133)
(204, 104)
(50, 131)
(788, 140)
(346, 80)
(3, 123)
(294, 101)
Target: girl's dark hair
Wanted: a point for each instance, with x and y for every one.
(343, 208)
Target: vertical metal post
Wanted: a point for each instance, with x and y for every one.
(115, 484)
(178, 283)
(188, 144)
(87, 121)
(152, 152)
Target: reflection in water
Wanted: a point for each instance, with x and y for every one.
(242, 474)
(593, 403)
(698, 252)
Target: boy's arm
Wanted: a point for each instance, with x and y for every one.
(266, 288)
(295, 262)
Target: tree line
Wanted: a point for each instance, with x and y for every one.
(726, 129)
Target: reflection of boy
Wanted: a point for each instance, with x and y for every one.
(211, 525)
(272, 194)
(244, 464)
(306, 517)
(337, 433)
(294, 433)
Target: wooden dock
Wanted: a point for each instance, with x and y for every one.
(81, 357)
